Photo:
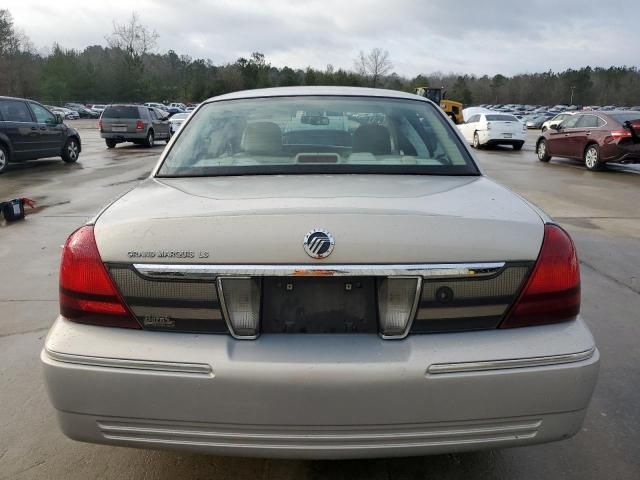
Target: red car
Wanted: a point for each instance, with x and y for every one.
(595, 138)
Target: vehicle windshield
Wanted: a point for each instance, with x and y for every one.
(501, 118)
(117, 111)
(306, 134)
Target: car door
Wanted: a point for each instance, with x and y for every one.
(469, 127)
(161, 123)
(20, 128)
(50, 131)
(558, 139)
(581, 135)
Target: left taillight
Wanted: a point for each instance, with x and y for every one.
(87, 293)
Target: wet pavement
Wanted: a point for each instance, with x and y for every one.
(600, 209)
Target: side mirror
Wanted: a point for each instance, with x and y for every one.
(59, 118)
(556, 126)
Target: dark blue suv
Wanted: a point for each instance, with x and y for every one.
(29, 131)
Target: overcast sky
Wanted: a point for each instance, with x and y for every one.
(482, 36)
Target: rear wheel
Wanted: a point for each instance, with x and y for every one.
(541, 151)
(71, 151)
(110, 143)
(518, 146)
(476, 140)
(150, 140)
(592, 158)
(4, 158)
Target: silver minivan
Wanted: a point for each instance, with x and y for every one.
(133, 123)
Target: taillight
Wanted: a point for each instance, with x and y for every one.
(100, 124)
(139, 125)
(488, 125)
(618, 134)
(552, 293)
(87, 293)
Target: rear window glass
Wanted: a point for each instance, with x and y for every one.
(625, 117)
(501, 118)
(120, 112)
(309, 134)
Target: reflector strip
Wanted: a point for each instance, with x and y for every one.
(441, 368)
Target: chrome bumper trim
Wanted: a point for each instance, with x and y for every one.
(202, 272)
(166, 367)
(443, 368)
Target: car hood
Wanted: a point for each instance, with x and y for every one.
(373, 218)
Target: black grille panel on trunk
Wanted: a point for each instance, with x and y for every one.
(470, 303)
(176, 305)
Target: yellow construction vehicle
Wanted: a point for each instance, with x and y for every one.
(437, 96)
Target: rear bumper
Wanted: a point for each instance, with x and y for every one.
(124, 136)
(488, 137)
(318, 396)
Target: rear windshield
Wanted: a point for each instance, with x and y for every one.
(120, 112)
(328, 134)
(625, 117)
(501, 118)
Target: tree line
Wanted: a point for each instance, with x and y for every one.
(128, 69)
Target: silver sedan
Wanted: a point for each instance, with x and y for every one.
(319, 273)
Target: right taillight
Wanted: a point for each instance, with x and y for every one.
(552, 293)
(87, 293)
(139, 125)
(618, 134)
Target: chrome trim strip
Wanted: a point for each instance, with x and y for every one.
(442, 368)
(167, 367)
(203, 272)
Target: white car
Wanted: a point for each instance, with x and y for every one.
(494, 129)
(98, 108)
(290, 286)
(155, 105)
(181, 106)
(177, 120)
(557, 120)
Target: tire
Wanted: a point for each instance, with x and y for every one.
(150, 140)
(591, 158)
(4, 158)
(476, 140)
(541, 151)
(71, 151)
(110, 143)
(518, 146)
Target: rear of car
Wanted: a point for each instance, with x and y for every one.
(126, 123)
(319, 273)
(621, 143)
(490, 129)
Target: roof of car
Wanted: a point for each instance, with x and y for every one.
(321, 91)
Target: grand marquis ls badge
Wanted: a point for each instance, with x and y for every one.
(318, 243)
